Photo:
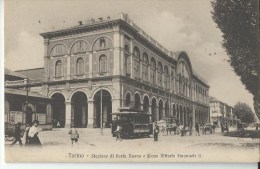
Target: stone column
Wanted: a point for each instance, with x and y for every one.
(157, 112)
(68, 66)
(150, 112)
(67, 114)
(131, 59)
(84, 119)
(46, 60)
(90, 114)
(90, 71)
(116, 55)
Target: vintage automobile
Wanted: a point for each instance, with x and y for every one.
(133, 123)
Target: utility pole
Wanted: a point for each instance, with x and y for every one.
(26, 102)
(101, 113)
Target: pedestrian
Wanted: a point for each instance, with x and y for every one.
(118, 132)
(33, 138)
(58, 124)
(26, 131)
(190, 129)
(168, 129)
(17, 134)
(74, 134)
(197, 128)
(54, 123)
(181, 129)
(156, 132)
(213, 128)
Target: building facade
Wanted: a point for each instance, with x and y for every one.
(220, 111)
(100, 66)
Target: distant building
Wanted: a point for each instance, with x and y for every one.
(221, 111)
(115, 61)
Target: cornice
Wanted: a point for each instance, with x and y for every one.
(81, 29)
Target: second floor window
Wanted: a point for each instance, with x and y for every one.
(102, 43)
(80, 66)
(103, 64)
(58, 69)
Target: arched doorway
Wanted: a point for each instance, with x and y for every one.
(146, 104)
(181, 115)
(79, 110)
(137, 102)
(154, 112)
(185, 116)
(106, 117)
(58, 108)
(167, 109)
(128, 100)
(160, 109)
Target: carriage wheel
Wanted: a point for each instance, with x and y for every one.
(9, 138)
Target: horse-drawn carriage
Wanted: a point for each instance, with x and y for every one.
(208, 128)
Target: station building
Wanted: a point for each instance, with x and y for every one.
(23, 105)
(94, 68)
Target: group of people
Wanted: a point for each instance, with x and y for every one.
(177, 128)
(30, 134)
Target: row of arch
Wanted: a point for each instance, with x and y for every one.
(79, 115)
(80, 46)
(160, 109)
(145, 62)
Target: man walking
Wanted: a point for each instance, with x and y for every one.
(17, 134)
(197, 128)
(156, 132)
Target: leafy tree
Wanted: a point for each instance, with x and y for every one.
(244, 112)
(238, 21)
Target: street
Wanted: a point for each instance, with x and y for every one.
(94, 147)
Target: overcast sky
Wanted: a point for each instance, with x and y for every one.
(176, 24)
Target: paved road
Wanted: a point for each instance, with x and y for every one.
(176, 148)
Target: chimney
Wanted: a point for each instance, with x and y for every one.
(80, 22)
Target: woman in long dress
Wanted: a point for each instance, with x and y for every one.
(33, 138)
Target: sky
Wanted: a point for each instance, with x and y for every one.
(179, 25)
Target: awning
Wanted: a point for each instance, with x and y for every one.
(24, 93)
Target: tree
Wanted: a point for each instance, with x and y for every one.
(238, 21)
(244, 112)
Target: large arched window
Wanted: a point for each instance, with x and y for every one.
(127, 62)
(166, 77)
(136, 62)
(153, 71)
(136, 53)
(184, 78)
(58, 69)
(160, 72)
(80, 66)
(102, 64)
(145, 66)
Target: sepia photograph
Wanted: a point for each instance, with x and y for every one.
(131, 81)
